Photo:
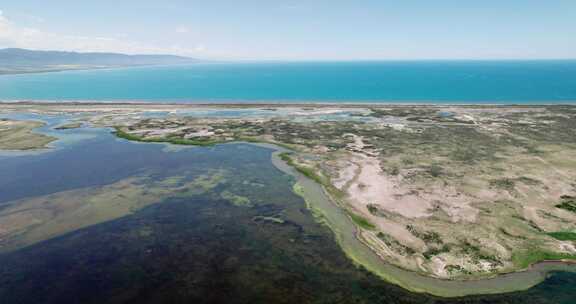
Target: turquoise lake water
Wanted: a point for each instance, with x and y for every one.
(425, 81)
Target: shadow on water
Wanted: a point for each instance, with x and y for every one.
(201, 248)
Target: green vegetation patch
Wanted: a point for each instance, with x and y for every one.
(435, 170)
(525, 258)
(306, 171)
(430, 237)
(375, 210)
(451, 268)
(567, 203)
(563, 235)
(362, 221)
(393, 244)
(428, 254)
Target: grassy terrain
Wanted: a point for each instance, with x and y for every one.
(523, 259)
(362, 221)
(563, 236)
(20, 135)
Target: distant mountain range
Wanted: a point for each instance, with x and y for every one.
(13, 60)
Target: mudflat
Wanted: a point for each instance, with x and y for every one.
(19, 135)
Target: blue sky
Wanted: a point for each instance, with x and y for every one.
(297, 30)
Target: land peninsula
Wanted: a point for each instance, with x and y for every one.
(448, 192)
(23, 61)
(19, 135)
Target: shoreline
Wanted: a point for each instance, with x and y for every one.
(278, 104)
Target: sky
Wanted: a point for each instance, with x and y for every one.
(297, 30)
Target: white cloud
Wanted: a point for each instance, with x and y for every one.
(13, 35)
(182, 29)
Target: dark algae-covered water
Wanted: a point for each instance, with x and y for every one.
(245, 238)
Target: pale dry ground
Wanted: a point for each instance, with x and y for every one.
(463, 210)
(461, 207)
(20, 135)
(31, 220)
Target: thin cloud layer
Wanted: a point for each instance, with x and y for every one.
(13, 35)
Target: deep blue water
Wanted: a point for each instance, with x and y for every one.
(424, 81)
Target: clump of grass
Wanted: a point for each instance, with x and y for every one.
(285, 156)
(469, 248)
(503, 184)
(528, 181)
(430, 237)
(373, 209)
(464, 155)
(362, 221)
(451, 268)
(428, 254)
(435, 170)
(567, 203)
(394, 244)
(394, 171)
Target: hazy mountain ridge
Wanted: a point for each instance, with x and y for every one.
(14, 60)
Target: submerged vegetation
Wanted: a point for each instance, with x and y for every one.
(236, 200)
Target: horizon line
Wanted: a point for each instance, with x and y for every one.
(301, 59)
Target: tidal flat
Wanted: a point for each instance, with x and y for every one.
(19, 135)
(385, 213)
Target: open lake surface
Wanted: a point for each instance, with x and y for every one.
(192, 247)
(494, 82)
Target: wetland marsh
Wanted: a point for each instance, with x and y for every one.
(195, 219)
